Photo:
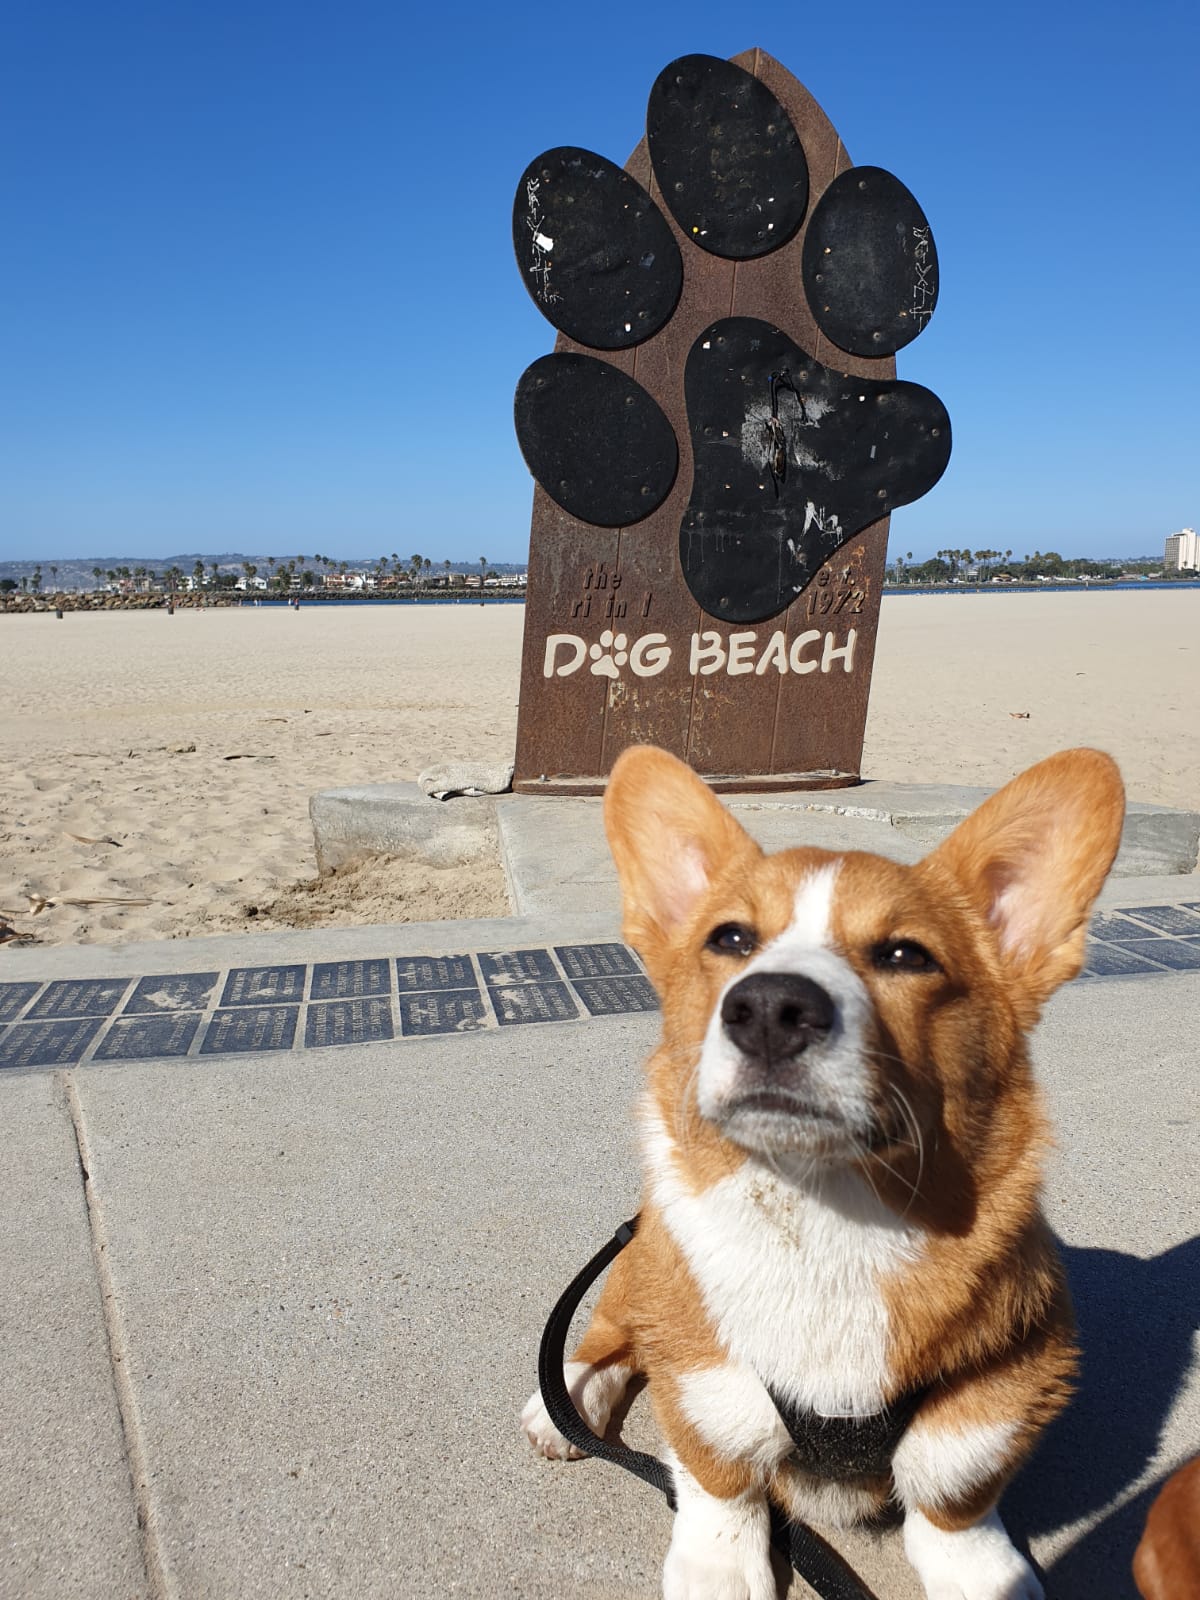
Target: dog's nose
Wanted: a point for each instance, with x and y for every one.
(776, 1015)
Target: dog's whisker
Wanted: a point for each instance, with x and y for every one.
(905, 1108)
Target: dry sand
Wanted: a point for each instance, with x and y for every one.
(101, 712)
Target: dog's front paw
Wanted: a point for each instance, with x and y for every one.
(595, 1391)
(720, 1549)
(975, 1563)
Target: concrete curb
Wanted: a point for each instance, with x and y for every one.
(556, 860)
(399, 819)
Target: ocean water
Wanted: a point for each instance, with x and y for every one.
(1098, 587)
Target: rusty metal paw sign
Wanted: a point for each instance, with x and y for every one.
(791, 456)
(720, 428)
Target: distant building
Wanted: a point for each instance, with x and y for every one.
(1182, 552)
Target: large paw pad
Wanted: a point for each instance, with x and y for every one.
(791, 457)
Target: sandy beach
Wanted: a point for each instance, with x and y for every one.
(169, 760)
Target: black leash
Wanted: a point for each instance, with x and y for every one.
(821, 1567)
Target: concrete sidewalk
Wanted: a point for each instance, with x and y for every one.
(270, 1317)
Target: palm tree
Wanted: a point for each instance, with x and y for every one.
(36, 580)
(97, 574)
(483, 564)
(54, 578)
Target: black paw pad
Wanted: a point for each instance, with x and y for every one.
(596, 252)
(869, 264)
(791, 460)
(727, 158)
(594, 439)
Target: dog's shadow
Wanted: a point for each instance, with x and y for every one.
(1136, 1323)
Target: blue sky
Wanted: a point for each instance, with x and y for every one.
(258, 292)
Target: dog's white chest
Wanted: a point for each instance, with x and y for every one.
(791, 1277)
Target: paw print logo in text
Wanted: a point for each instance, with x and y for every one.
(609, 655)
(791, 455)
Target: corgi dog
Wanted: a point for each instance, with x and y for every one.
(842, 1292)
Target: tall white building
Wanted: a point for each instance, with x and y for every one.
(1182, 552)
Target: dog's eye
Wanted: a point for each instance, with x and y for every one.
(731, 939)
(904, 955)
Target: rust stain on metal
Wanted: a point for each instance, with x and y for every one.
(616, 649)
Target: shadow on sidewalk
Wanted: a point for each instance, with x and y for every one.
(1136, 1324)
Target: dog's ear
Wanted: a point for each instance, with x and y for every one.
(1032, 859)
(670, 837)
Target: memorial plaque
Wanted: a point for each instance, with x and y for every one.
(266, 1028)
(255, 986)
(417, 974)
(47, 1044)
(349, 1022)
(1115, 928)
(451, 1011)
(13, 996)
(596, 960)
(344, 980)
(718, 438)
(87, 997)
(1178, 954)
(533, 1002)
(607, 997)
(141, 1038)
(517, 966)
(1115, 960)
(175, 991)
(1166, 919)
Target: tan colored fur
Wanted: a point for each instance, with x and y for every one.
(1166, 1565)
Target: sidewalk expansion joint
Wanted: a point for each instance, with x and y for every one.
(161, 1587)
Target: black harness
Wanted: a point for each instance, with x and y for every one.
(844, 1448)
(836, 1448)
